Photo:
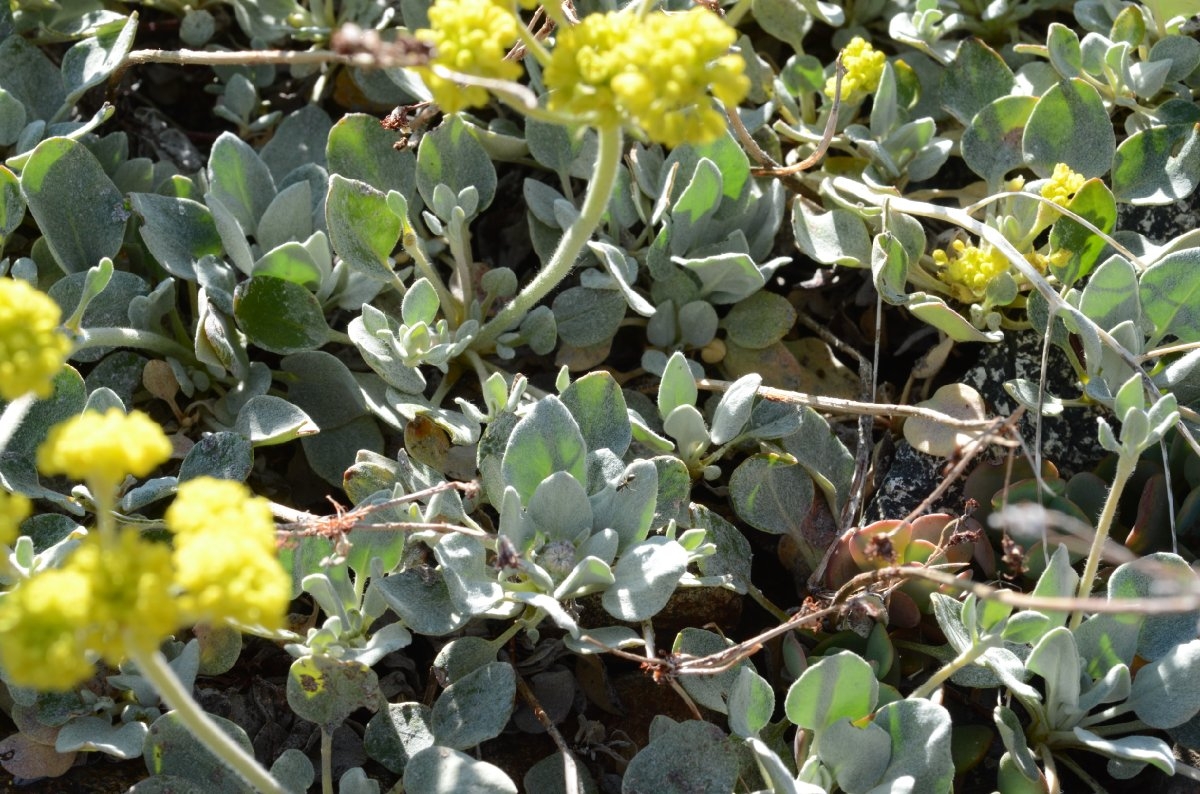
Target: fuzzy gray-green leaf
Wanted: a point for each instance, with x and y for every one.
(79, 233)
(475, 708)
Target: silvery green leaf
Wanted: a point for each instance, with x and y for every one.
(292, 768)
(728, 277)
(598, 406)
(422, 600)
(326, 690)
(461, 657)
(823, 456)
(90, 61)
(856, 756)
(771, 493)
(323, 387)
(1056, 659)
(389, 639)
(695, 206)
(1106, 437)
(514, 523)
(697, 323)
(1157, 165)
(686, 425)
(734, 409)
(287, 218)
(687, 757)
(1106, 640)
(948, 613)
(355, 781)
(550, 606)
(776, 773)
(549, 776)
(1146, 749)
(1166, 692)
(1089, 149)
(751, 703)
(177, 231)
(79, 234)
(1161, 417)
(1130, 397)
(840, 685)
(148, 492)
(442, 770)
(1152, 576)
(396, 733)
(279, 315)
(175, 751)
(628, 506)
(920, 758)
(472, 586)
(587, 316)
(359, 148)
(1168, 291)
(451, 156)
(1112, 688)
(559, 507)
(603, 545)
(290, 261)
(89, 733)
(663, 327)
(224, 455)
(267, 420)
(544, 441)
(678, 385)
(733, 555)
(645, 577)
(420, 303)
(475, 708)
(1012, 734)
(623, 269)
(589, 575)
(240, 179)
(1026, 627)
(362, 229)
(372, 335)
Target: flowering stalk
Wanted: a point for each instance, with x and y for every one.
(153, 666)
(13, 415)
(1125, 467)
(600, 188)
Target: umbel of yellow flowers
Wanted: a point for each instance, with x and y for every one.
(654, 72)
(120, 592)
(32, 348)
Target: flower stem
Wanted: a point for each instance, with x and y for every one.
(326, 762)
(155, 668)
(1125, 466)
(14, 413)
(604, 177)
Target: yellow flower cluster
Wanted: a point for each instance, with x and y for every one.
(1062, 185)
(14, 508)
(32, 348)
(128, 592)
(969, 269)
(225, 555)
(470, 37)
(654, 72)
(1044, 262)
(864, 69)
(104, 448)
